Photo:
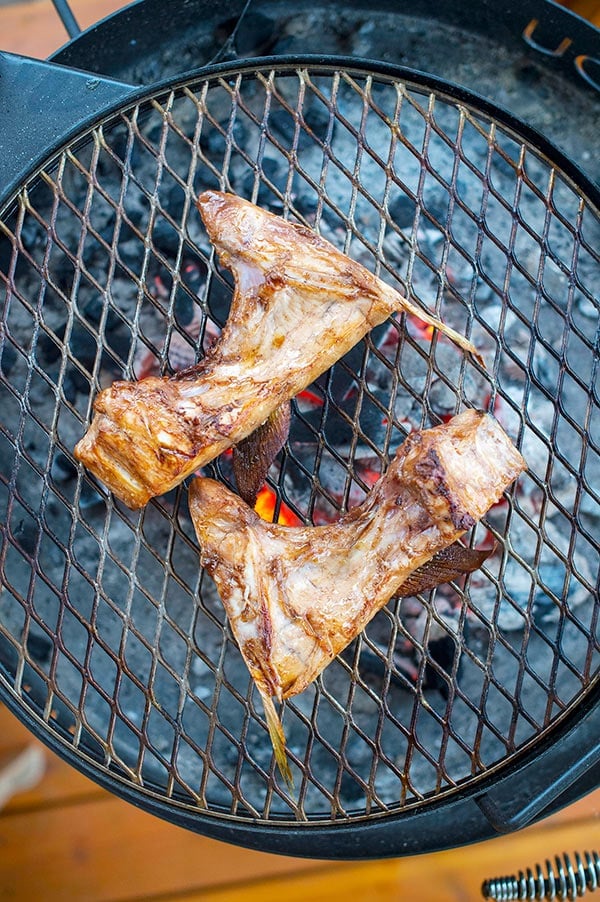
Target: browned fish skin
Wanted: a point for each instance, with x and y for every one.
(298, 306)
(296, 597)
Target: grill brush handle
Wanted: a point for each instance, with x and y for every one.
(562, 880)
(41, 104)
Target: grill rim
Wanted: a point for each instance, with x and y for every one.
(282, 837)
(321, 64)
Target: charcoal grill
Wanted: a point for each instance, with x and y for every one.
(455, 716)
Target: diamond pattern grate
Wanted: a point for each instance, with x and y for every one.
(110, 635)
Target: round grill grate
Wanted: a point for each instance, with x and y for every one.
(113, 643)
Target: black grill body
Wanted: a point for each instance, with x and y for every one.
(476, 706)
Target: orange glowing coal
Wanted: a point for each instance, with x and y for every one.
(424, 329)
(265, 508)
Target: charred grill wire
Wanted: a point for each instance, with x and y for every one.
(111, 638)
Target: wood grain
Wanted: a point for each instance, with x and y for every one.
(105, 849)
(441, 877)
(69, 839)
(34, 29)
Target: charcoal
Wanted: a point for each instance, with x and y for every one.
(255, 35)
(443, 652)
(283, 124)
(63, 468)
(266, 197)
(317, 118)
(184, 307)
(436, 204)
(33, 234)
(402, 211)
(81, 339)
(73, 385)
(219, 297)
(175, 682)
(8, 358)
(93, 309)
(40, 646)
(26, 534)
(235, 32)
(165, 238)
(174, 202)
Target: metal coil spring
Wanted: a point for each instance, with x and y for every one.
(564, 880)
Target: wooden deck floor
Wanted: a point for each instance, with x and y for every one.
(67, 839)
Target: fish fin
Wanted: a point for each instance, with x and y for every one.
(253, 456)
(448, 564)
(460, 340)
(277, 738)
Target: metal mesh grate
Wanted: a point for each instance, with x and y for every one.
(109, 632)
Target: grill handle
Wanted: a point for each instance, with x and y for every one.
(67, 17)
(534, 788)
(40, 105)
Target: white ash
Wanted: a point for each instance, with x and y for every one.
(115, 607)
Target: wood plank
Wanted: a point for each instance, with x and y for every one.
(69, 839)
(453, 876)
(69, 830)
(587, 9)
(116, 851)
(34, 29)
(60, 782)
(106, 849)
(13, 734)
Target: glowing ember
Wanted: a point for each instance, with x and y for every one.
(424, 330)
(265, 508)
(307, 399)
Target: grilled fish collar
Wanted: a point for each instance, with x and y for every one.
(298, 306)
(296, 596)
